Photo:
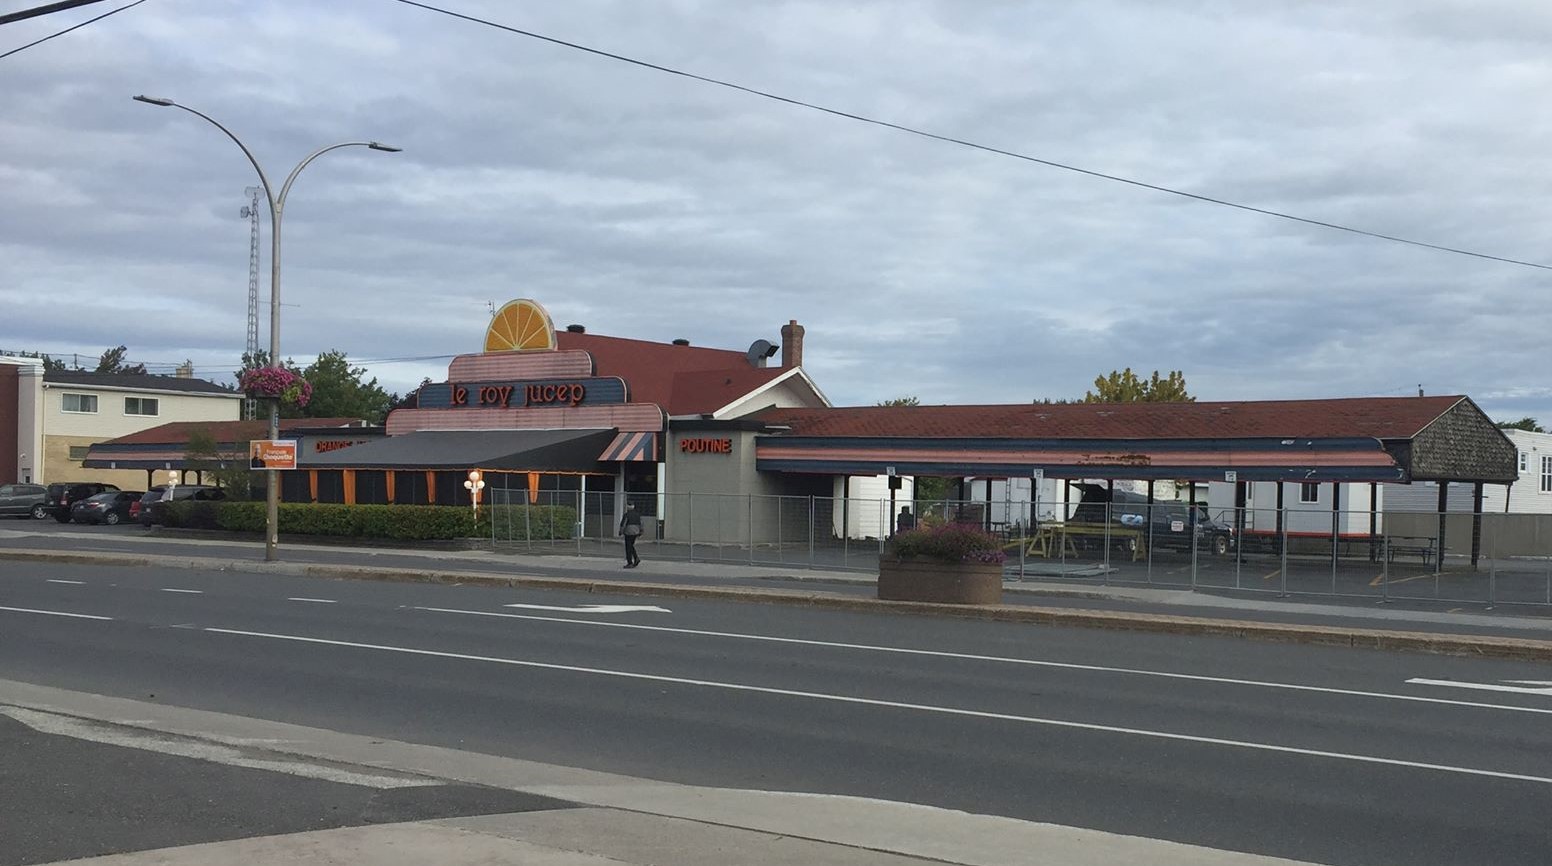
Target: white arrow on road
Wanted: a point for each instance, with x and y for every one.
(1524, 687)
(596, 608)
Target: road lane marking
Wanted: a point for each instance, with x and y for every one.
(66, 726)
(70, 582)
(57, 613)
(1524, 687)
(189, 591)
(1072, 666)
(900, 705)
(594, 608)
(314, 600)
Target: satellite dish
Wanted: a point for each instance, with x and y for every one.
(759, 350)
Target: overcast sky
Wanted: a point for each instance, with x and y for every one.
(652, 206)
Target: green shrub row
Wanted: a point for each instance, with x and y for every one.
(404, 522)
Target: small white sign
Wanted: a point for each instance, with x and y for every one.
(1231, 476)
(1177, 526)
(1037, 473)
(890, 471)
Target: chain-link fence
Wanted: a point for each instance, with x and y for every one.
(1486, 559)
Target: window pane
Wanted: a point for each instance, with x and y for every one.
(1546, 475)
(141, 406)
(80, 403)
(78, 452)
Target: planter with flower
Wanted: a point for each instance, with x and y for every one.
(952, 564)
(276, 384)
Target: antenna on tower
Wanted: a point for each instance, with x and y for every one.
(251, 212)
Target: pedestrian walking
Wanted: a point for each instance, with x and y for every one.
(630, 527)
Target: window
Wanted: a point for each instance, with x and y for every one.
(141, 406)
(78, 452)
(86, 403)
(1546, 475)
(1309, 492)
(1524, 461)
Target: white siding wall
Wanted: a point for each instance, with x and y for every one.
(110, 422)
(866, 517)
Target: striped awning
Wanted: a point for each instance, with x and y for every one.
(631, 447)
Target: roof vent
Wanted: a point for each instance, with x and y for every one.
(576, 329)
(680, 341)
(759, 352)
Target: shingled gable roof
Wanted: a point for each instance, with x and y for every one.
(1370, 417)
(136, 381)
(177, 432)
(684, 380)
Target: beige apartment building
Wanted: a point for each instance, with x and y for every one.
(74, 409)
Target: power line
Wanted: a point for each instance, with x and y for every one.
(45, 9)
(971, 144)
(68, 29)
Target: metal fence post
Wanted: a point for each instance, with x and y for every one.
(527, 523)
(811, 518)
(581, 518)
(689, 522)
(750, 497)
(1024, 540)
(1492, 572)
(1104, 571)
(1194, 527)
(1239, 545)
(1283, 572)
(1385, 571)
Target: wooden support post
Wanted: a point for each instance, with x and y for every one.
(430, 487)
(348, 481)
(1476, 524)
(389, 478)
(1280, 515)
(1444, 506)
(312, 484)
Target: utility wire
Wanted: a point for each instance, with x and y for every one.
(45, 9)
(68, 29)
(970, 144)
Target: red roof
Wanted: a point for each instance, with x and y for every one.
(1376, 417)
(684, 380)
(177, 432)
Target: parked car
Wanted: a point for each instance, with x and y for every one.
(152, 508)
(61, 497)
(111, 507)
(1173, 523)
(23, 500)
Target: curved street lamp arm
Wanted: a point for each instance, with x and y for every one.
(285, 188)
(263, 178)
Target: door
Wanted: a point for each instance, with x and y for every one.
(9, 499)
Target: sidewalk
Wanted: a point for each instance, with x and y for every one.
(567, 816)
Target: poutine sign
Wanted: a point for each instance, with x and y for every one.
(272, 454)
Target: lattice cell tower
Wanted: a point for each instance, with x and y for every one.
(251, 212)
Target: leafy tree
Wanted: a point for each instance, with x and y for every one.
(50, 363)
(228, 468)
(901, 401)
(1123, 386)
(1527, 423)
(340, 391)
(112, 361)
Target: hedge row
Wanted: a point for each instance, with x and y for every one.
(405, 522)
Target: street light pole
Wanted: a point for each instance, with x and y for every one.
(277, 205)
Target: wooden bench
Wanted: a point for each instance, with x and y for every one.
(1423, 546)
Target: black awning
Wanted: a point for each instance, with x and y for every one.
(511, 450)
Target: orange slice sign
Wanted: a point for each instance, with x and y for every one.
(520, 326)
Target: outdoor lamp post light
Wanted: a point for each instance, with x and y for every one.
(277, 205)
(474, 485)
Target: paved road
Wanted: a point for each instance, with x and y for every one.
(1310, 753)
(1091, 592)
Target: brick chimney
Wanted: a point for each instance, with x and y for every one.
(791, 345)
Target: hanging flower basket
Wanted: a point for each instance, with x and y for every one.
(276, 383)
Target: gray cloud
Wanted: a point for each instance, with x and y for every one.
(650, 206)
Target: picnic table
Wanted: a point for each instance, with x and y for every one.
(1054, 539)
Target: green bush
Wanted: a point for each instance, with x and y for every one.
(400, 522)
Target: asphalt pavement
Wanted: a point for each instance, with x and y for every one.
(1318, 754)
(1080, 586)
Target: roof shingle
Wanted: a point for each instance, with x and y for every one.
(684, 380)
(1376, 417)
(142, 381)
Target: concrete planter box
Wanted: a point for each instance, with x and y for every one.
(941, 582)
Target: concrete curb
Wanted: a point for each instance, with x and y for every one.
(1480, 646)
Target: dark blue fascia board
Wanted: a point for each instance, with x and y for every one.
(1360, 443)
(1119, 473)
